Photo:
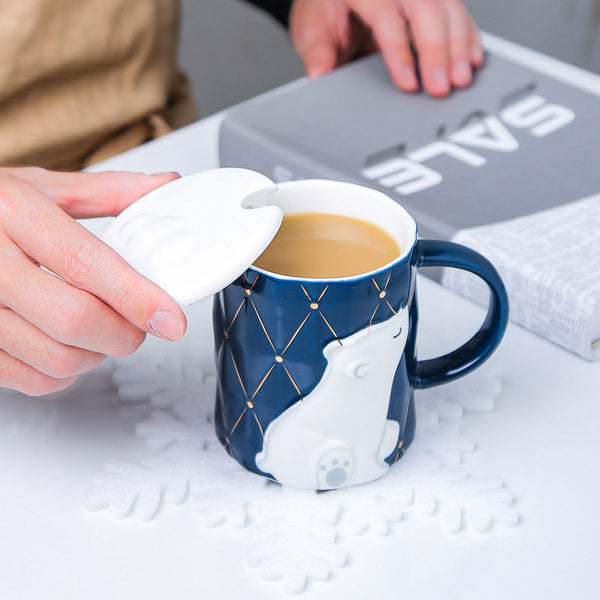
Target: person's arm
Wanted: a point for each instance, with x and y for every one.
(52, 328)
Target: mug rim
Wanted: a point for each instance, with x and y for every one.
(382, 197)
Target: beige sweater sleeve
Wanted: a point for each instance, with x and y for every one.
(81, 80)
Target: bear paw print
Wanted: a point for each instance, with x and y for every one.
(335, 468)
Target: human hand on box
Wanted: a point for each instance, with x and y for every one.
(328, 33)
(52, 328)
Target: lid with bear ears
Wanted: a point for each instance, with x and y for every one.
(195, 235)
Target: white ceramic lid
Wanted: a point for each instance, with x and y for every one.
(195, 235)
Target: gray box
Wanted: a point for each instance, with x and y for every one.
(514, 143)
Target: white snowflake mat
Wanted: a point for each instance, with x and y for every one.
(298, 536)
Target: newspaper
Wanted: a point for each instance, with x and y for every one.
(550, 264)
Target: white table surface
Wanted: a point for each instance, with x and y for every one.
(542, 438)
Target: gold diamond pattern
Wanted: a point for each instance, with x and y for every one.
(381, 295)
(314, 305)
(278, 357)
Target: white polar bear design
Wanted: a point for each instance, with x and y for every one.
(340, 435)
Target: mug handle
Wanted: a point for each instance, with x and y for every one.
(434, 371)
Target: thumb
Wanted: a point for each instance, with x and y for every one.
(84, 195)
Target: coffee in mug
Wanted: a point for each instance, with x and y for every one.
(327, 245)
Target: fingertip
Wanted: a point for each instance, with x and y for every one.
(461, 73)
(321, 59)
(166, 176)
(476, 55)
(406, 79)
(436, 81)
(44, 386)
(167, 325)
(314, 71)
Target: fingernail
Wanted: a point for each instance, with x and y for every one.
(409, 77)
(461, 72)
(476, 54)
(166, 173)
(440, 78)
(166, 325)
(321, 60)
(316, 70)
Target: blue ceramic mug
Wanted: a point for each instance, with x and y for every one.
(316, 377)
